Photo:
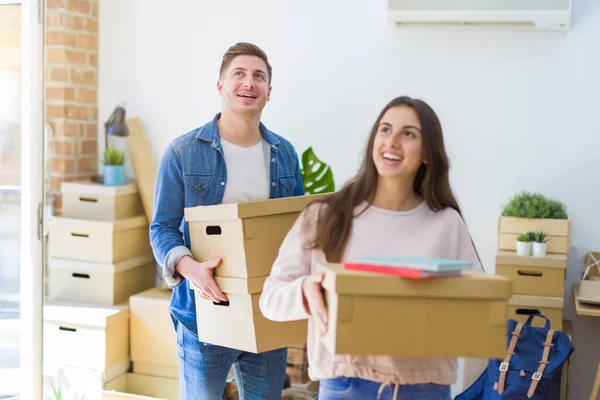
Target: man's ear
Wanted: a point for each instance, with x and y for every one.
(219, 87)
(269, 93)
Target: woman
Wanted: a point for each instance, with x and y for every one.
(399, 204)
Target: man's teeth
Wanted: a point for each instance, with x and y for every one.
(247, 95)
(389, 156)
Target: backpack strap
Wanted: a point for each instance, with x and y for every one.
(535, 378)
(516, 334)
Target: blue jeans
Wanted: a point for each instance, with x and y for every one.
(203, 370)
(362, 389)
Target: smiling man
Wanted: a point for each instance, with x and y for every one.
(232, 159)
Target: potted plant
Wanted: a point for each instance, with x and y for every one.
(540, 244)
(114, 167)
(523, 245)
(317, 176)
(534, 212)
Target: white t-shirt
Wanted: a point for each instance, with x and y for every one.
(248, 172)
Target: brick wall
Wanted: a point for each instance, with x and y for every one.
(71, 68)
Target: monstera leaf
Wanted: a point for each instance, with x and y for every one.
(316, 175)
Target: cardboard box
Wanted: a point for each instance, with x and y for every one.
(86, 336)
(247, 236)
(94, 201)
(520, 307)
(145, 385)
(75, 383)
(110, 395)
(153, 338)
(378, 314)
(239, 324)
(297, 354)
(536, 276)
(99, 241)
(589, 287)
(558, 231)
(78, 383)
(103, 284)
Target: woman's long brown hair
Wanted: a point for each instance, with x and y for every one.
(334, 222)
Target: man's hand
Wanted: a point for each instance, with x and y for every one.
(313, 296)
(201, 275)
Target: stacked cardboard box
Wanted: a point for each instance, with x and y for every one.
(538, 281)
(247, 237)
(100, 255)
(153, 338)
(297, 364)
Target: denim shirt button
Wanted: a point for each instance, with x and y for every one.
(272, 160)
(222, 183)
(273, 184)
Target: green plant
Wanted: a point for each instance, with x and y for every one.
(534, 205)
(112, 156)
(523, 238)
(316, 175)
(540, 237)
(531, 236)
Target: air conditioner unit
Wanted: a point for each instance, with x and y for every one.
(541, 14)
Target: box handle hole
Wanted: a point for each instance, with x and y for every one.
(213, 230)
(85, 276)
(62, 328)
(83, 235)
(529, 273)
(222, 303)
(527, 311)
(89, 199)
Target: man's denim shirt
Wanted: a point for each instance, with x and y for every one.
(191, 173)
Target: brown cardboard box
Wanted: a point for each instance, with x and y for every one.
(110, 395)
(247, 236)
(520, 307)
(95, 283)
(94, 201)
(589, 287)
(371, 314)
(240, 324)
(75, 383)
(536, 276)
(558, 231)
(99, 241)
(86, 336)
(145, 385)
(153, 338)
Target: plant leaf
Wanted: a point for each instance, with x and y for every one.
(316, 175)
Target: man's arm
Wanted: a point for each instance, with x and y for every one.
(165, 237)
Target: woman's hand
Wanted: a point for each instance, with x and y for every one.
(314, 301)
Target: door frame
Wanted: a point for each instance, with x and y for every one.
(32, 198)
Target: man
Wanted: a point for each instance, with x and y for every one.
(234, 158)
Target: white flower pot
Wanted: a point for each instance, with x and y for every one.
(523, 249)
(539, 249)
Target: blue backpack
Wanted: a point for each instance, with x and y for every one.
(531, 369)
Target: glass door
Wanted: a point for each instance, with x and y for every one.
(10, 197)
(21, 188)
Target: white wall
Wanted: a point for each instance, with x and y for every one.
(519, 107)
